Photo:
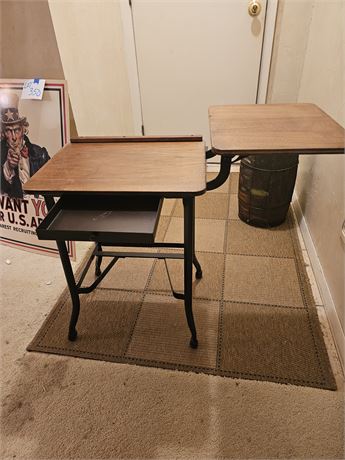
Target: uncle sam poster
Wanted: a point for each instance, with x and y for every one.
(32, 131)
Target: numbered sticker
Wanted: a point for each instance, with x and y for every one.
(33, 89)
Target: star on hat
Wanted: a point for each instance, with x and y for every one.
(9, 115)
(9, 108)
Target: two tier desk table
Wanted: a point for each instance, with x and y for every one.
(241, 130)
(111, 190)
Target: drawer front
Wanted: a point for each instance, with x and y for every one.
(116, 220)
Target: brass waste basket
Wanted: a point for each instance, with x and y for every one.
(265, 188)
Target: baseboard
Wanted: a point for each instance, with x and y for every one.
(332, 316)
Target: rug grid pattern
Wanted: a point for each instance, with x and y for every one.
(253, 308)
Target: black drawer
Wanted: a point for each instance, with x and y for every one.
(108, 219)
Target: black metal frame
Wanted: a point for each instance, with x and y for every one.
(189, 257)
(225, 168)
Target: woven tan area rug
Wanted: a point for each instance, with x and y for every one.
(254, 310)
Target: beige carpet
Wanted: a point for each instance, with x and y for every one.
(61, 407)
(254, 311)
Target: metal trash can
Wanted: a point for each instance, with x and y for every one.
(265, 188)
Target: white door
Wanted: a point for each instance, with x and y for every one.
(192, 54)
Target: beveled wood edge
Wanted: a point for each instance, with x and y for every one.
(329, 116)
(125, 139)
(275, 104)
(335, 151)
(60, 193)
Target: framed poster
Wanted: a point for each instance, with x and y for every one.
(32, 131)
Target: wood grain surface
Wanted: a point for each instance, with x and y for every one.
(121, 139)
(164, 168)
(274, 128)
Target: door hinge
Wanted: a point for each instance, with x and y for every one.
(142, 130)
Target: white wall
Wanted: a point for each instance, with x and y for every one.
(90, 38)
(290, 43)
(320, 184)
(309, 66)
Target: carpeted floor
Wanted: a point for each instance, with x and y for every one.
(61, 407)
(254, 310)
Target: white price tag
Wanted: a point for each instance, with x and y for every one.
(33, 89)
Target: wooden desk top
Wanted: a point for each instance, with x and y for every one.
(274, 128)
(115, 166)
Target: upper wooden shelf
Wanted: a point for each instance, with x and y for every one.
(274, 128)
(172, 167)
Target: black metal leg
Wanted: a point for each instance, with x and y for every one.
(189, 259)
(49, 202)
(72, 333)
(198, 274)
(225, 166)
(98, 271)
(73, 289)
(188, 205)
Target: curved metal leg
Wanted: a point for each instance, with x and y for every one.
(98, 270)
(72, 333)
(210, 154)
(189, 260)
(198, 274)
(225, 166)
(188, 206)
(73, 289)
